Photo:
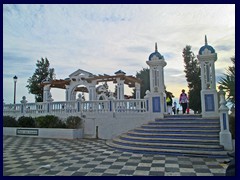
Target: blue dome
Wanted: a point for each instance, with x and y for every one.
(206, 46)
(156, 53)
(210, 48)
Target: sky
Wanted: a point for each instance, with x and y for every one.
(105, 38)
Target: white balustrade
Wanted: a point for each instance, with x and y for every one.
(66, 107)
(130, 106)
(11, 108)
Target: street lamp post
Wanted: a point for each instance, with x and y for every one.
(15, 82)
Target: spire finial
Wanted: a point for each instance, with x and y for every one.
(156, 47)
(205, 39)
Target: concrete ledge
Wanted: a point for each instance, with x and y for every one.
(44, 132)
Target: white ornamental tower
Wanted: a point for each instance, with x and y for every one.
(156, 97)
(207, 57)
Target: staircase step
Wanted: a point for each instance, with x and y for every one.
(170, 134)
(177, 140)
(150, 126)
(186, 135)
(176, 152)
(181, 116)
(196, 147)
(194, 123)
(175, 131)
(195, 120)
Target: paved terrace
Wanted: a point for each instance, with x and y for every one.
(25, 156)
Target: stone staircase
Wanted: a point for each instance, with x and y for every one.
(180, 135)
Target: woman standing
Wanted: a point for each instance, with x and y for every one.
(183, 100)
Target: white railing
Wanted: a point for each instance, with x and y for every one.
(129, 106)
(35, 108)
(96, 106)
(11, 108)
(70, 107)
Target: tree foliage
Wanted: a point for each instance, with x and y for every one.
(145, 85)
(193, 73)
(42, 72)
(228, 82)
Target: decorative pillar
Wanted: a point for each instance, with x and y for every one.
(92, 92)
(111, 103)
(73, 95)
(157, 96)
(120, 84)
(46, 92)
(225, 136)
(67, 93)
(146, 97)
(79, 103)
(23, 105)
(138, 93)
(120, 89)
(48, 104)
(209, 98)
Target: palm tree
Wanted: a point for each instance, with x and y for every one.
(228, 82)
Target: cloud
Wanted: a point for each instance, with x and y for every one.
(138, 49)
(223, 48)
(104, 38)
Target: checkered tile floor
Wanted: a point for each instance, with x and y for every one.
(25, 156)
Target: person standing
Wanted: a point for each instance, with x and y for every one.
(183, 100)
(174, 108)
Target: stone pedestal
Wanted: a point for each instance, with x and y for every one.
(224, 135)
(209, 101)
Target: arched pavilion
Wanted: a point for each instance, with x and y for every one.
(88, 83)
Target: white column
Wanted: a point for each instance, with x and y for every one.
(46, 92)
(92, 92)
(79, 103)
(120, 89)
(73, 96)
(213, 77)
(202, 75)
(161, 79)
(157, 96)
(67, 93)
(224, 135)
(209, 98)
(138, 92)
(151, 79)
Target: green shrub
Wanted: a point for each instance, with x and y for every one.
(9, 121)
(26, 122)
(49, 121)
(40, 123)
(74, 122)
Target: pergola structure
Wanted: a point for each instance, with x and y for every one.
(88, 83)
